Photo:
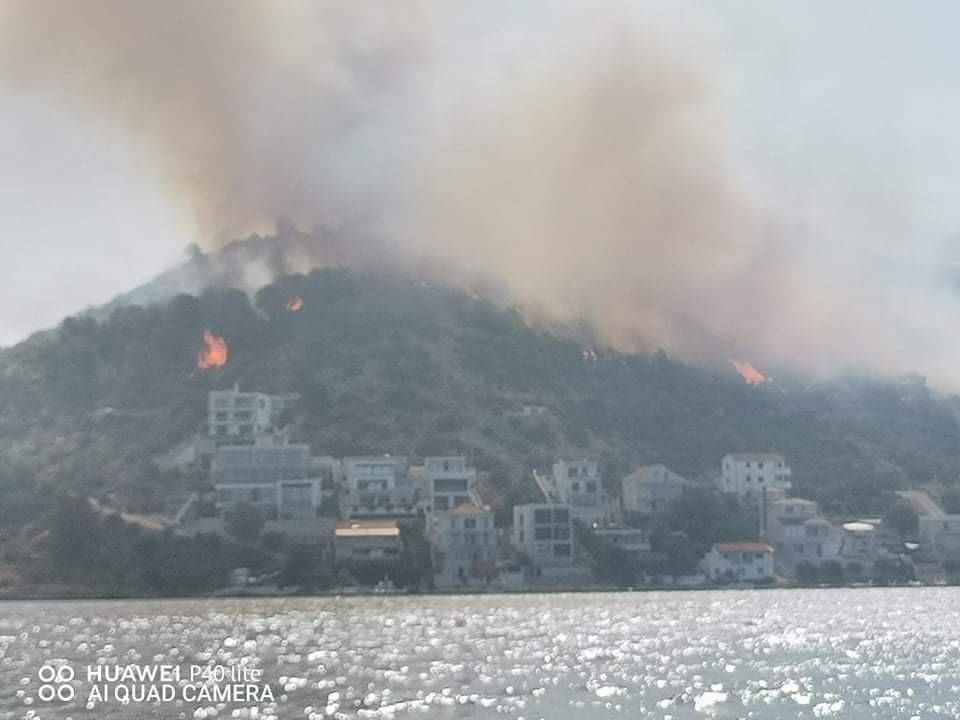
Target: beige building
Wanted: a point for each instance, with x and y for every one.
(367, 540)
(649, 489)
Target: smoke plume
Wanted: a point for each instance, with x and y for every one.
(584, 168)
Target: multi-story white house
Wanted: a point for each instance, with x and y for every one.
(544, 532)
(378, 486)
(649, 489)
(238, 417)
(448, 482)
(284, 480)
(755, 476)
(739, 562)
(799, 533)
(578, 483)
(465, 546)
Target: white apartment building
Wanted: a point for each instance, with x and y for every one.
(739, 562)
(284, 480)
(578, 483)
(465, 544)
(238, 417)
(378, 486)
(448, 482)
(753, 476)
(544, 532)
(649, 489)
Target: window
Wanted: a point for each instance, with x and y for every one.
(575, 487)
(450, 485)
(541, 517)
(562, 550)
(470, 523)
(561, 532)
(542, 533)
(561, 516)
(591, 487)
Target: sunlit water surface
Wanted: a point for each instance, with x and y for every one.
(736, 654)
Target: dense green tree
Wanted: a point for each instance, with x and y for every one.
(245, 522)
(901, 517)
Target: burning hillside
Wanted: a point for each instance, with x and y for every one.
(215, 353)
(749, 373)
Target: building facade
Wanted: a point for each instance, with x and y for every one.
(367, 541)
(649, 489)
(758, 477)
(578, 483)
(284, 480)
(449, 483)
(465, 546)
(739, 562)
(799, 533)
(544, 532)
(635, 542)
(378, 486)
(237, 417)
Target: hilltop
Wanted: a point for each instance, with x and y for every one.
(385, 364)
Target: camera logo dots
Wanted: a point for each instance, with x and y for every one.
(56, 683)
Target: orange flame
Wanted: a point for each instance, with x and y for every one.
(750, 374)
(295, 304)
(215, 354)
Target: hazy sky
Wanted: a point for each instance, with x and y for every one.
(847, 116)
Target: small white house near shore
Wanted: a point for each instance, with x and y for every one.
(739, 562)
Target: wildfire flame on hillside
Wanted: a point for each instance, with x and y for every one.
(215, 354)
(295, 304)
(750, 374)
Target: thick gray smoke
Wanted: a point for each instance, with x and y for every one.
(583, 168)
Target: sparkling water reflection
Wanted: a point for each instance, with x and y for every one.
(763, 654)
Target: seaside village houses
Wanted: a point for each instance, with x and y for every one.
(357, 510)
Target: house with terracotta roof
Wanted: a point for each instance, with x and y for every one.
(739, 562)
